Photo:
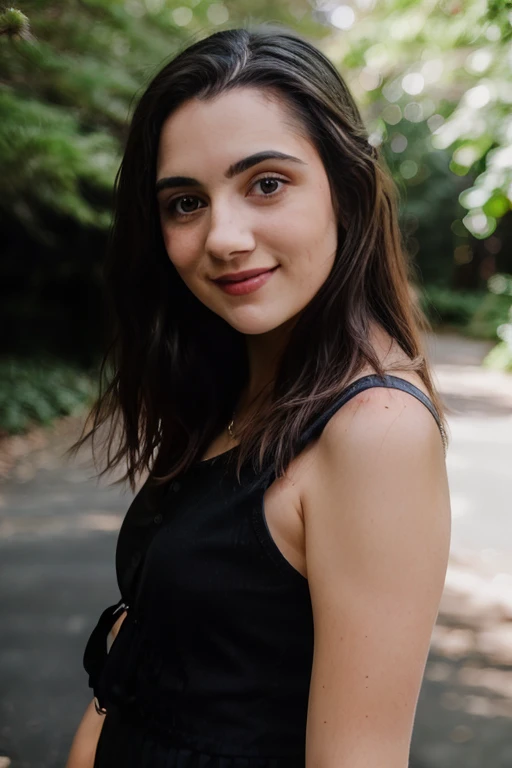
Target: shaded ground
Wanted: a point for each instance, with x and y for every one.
(464, 715)
(57, 541)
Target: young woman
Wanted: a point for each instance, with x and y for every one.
(281, 568)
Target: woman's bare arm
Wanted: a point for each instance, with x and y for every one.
(377, 521)
(85, 742)
(83, 748)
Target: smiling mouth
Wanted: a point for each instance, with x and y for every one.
(241, 287)
(248, 276)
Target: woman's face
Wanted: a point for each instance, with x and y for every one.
(224, 210)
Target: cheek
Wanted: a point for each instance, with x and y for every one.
(181, 247)
(307, 234)
(310, 219)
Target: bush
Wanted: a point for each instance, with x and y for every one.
(38, 391)
(492, 312)
(444, 306)
(477, 314)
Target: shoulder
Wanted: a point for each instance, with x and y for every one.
(378, 474)
(380, 419)
(382, 451)
(380, 435)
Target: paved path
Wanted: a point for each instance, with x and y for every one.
(479, 459)
(464, 715)
(57, 541)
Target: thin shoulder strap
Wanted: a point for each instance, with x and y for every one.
(365, 382)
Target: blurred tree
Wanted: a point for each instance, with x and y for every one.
(435, 79)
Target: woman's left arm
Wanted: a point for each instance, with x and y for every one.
(378, 526)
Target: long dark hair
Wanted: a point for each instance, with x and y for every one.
(174, 370)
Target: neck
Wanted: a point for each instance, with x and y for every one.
(264, 352)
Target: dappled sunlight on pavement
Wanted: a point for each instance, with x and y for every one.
(464, 715)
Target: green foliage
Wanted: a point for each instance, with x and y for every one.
(499, 358)
(48, 164)
(436, 79)
(478, 314)
(37, 392)
(444, 306)
(492, 312)
(15, 24)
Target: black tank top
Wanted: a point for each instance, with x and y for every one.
(213, 660)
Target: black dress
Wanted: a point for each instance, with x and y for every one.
(211, 667)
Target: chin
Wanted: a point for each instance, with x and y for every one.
(254, 326)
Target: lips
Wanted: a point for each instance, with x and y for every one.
(246, 285)
(246, 275)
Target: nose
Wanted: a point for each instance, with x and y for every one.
(230, 232)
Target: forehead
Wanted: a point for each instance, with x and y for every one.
(233, 124)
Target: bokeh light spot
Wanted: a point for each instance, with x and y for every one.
(479, 224)
(479, 60)
(343, 17)
(413, 83)
(369, 79)
(463, 254)
(392, 91)
(474, 197)
(408, 169)
(478, 96)
(432, 70)
(392, 114)
(398, 143)
(217, 13)
(493, 33)
(182, 16)
(435, 121)
(413, 112)
(466, 155)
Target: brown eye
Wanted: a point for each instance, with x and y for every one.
(188, 205)
(268, 185)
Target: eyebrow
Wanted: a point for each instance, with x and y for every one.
(234, 170)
